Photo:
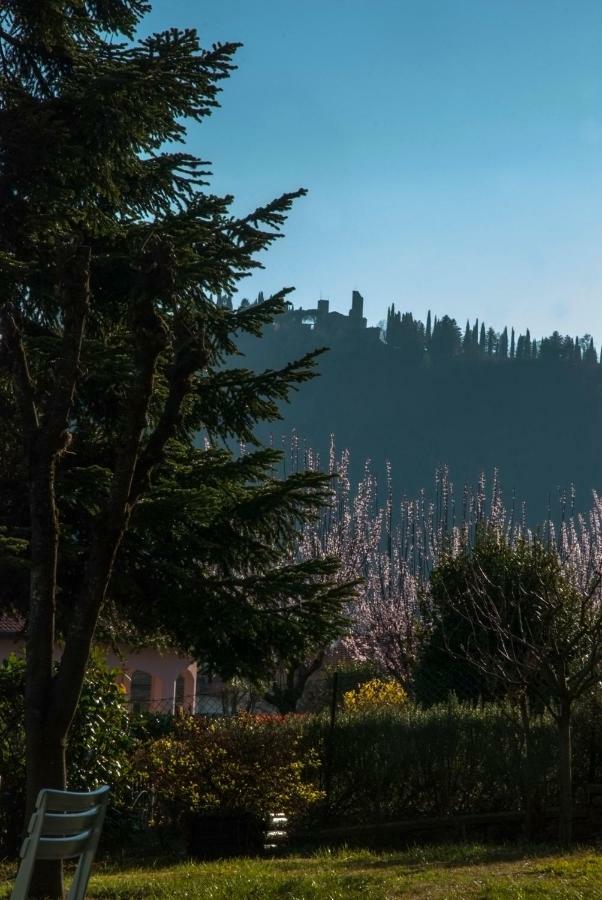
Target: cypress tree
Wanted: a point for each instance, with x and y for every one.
(482, 339)
(512, 345)
(466, 341)
(475, 333)
(503, 344)
(520, 347)
(590, 356)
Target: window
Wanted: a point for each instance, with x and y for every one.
(140, 691)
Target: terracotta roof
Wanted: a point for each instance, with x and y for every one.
(11, 624)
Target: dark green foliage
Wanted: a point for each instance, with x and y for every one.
(88, 190)
(463, 657)
(445, 760)
(453, 758)
(405, 335)
(472, 413)
(99, 751)
(446, 340)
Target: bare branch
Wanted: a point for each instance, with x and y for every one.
(21, 378)
(74, 289)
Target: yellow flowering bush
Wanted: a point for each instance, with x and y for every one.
(241, 764)
(374, 695)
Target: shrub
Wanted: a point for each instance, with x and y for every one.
(99, 752)
(375, 694)
(246, 764)
(405, 762)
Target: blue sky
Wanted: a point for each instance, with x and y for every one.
(452, 150)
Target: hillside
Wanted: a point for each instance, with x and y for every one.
(471, 406)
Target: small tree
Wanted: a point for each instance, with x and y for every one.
(526, 626)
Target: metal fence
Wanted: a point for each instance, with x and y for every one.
(203, 704)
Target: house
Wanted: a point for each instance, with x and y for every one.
(159, 681)
(153, 680)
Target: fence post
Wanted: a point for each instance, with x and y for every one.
(330, 741)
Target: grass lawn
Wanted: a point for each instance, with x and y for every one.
(437, 872)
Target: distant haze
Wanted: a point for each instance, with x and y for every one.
(452, 150)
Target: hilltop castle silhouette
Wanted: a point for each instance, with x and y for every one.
(320, 319)
(426, 394)
(436, 340)
(331, 324)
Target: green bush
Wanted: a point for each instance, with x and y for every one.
(246, 764)
(449, 759)
(99, 751)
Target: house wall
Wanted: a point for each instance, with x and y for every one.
(164, 669)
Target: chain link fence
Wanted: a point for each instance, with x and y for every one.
(225, 703)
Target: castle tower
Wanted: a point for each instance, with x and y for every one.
(356, 313)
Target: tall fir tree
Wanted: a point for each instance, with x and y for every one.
(113, 257)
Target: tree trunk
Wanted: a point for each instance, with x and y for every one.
(45, 745)
(46, 768)
(565, 764)
(528, 769)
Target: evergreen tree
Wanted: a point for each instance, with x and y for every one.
(512, 345)
(555, 347)
(491, 341)
(475, 333)
(590, 357)
(447, 339)
(503, 344)
(389, 336)
(429, 330)
(520, 347)
(112, 260)
(483, 340)
(411, 338)
(467, 339)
